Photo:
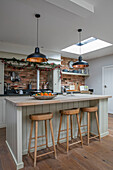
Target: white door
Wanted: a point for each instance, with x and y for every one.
(1, 78)
(108, 86)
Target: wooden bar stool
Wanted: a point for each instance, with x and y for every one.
(34, 119)
(89, 110)
(69, 113)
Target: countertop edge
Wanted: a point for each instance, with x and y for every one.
(18, 104)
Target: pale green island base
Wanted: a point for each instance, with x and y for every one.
(18, 110)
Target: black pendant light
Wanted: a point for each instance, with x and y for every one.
(80, 63)
(37, 56)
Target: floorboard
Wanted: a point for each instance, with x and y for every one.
(96, 156)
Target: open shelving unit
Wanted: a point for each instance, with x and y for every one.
(76, 74)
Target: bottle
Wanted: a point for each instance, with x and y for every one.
(30, 85)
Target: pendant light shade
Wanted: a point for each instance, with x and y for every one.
(37, 56)
(80, 63)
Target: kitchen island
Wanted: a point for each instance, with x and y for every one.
(18, 123)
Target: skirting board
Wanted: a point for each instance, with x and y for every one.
(104, 134)
(18, 166)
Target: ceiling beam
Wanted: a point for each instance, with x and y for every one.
(84, 4)
(78, 7)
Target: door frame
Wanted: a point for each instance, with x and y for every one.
(103, 68)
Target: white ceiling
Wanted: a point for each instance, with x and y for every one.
(57, 26)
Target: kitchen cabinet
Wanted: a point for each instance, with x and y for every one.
(1, 78)
(54, 80)
(2, 112)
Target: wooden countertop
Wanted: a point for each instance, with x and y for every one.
(29, 101)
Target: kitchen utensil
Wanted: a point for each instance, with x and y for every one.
(65, 70)
(72, 87)
(20, 91)
(74, 71)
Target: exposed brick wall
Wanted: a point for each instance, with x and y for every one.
(26, 75)
(43, 78)
(65, 61)
(70, 79)
(29, 74)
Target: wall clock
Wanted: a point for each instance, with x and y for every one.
(70, 64)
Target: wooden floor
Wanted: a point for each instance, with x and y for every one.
(96, 156)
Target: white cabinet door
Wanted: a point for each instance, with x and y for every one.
(108, 86)
(56, 80)
(1, 78)
(2, 112)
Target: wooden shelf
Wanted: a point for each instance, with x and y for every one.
(76, 74)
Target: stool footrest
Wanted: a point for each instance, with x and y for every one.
(31, 155)
(45, 154)
(94, 137)
(61, 144)
(39, 137)
(74, 143)
(93, 134)
(84, 132)
(83, 125)
(38, 146)
(64, 138)
(64, 130)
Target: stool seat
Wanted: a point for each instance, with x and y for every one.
(37, 117)
(34, 119)
(70, 112)
(89, 109)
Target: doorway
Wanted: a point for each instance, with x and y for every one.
(107, 85)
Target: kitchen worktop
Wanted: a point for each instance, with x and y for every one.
(28, 101)
(12, 94)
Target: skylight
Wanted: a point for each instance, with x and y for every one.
(88, 45)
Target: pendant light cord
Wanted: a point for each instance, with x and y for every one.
(80, 41)
(79, 31)
(37, 32)
(37, 16)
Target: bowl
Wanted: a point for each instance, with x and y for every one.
(65, 70)
(74, 71)
(39, 97)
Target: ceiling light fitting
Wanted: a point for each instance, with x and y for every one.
(37, 56)
(80, 63)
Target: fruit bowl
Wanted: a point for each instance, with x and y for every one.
(44, 96)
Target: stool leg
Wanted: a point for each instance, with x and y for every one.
(67, 133)
(30, 137)
(97, 124)
(46, 133)
(88, 126)
(89, 123)
(51, 127)
(59, 128)
(35, 152)
(79, 129)
(81, 115)
(71, 126)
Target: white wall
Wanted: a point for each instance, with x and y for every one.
(95, 70)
